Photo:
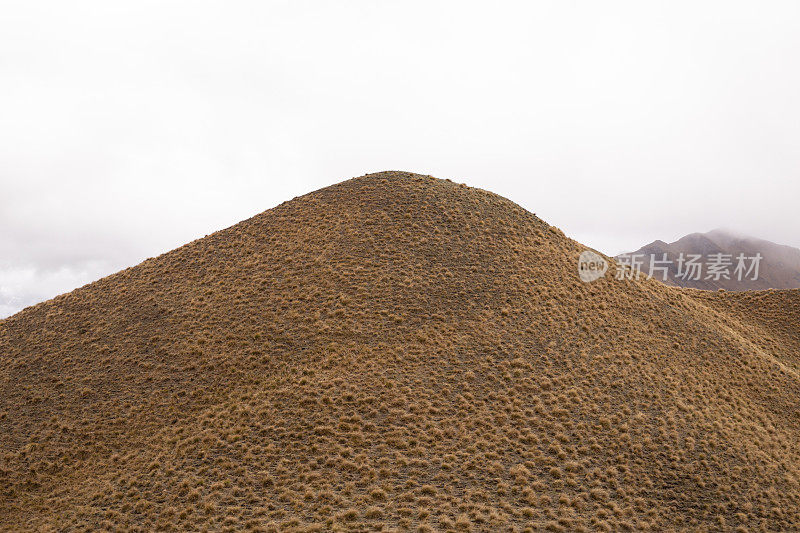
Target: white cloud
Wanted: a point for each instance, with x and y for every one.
(25, 286)
(127, 129)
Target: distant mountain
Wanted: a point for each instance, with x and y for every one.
(726, 261)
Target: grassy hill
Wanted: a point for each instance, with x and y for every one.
(397, 352)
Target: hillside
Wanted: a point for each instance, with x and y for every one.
(397, 352)
(778, 268)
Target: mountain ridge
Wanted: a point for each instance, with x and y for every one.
(779, 266)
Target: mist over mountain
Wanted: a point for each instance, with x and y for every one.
(764, 264)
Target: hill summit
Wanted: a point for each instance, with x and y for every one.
(397, 352)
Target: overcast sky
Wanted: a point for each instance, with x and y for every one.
(130, 128)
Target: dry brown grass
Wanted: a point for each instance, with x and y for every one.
(402, 353)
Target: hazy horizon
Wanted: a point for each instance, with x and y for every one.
(128, 130)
